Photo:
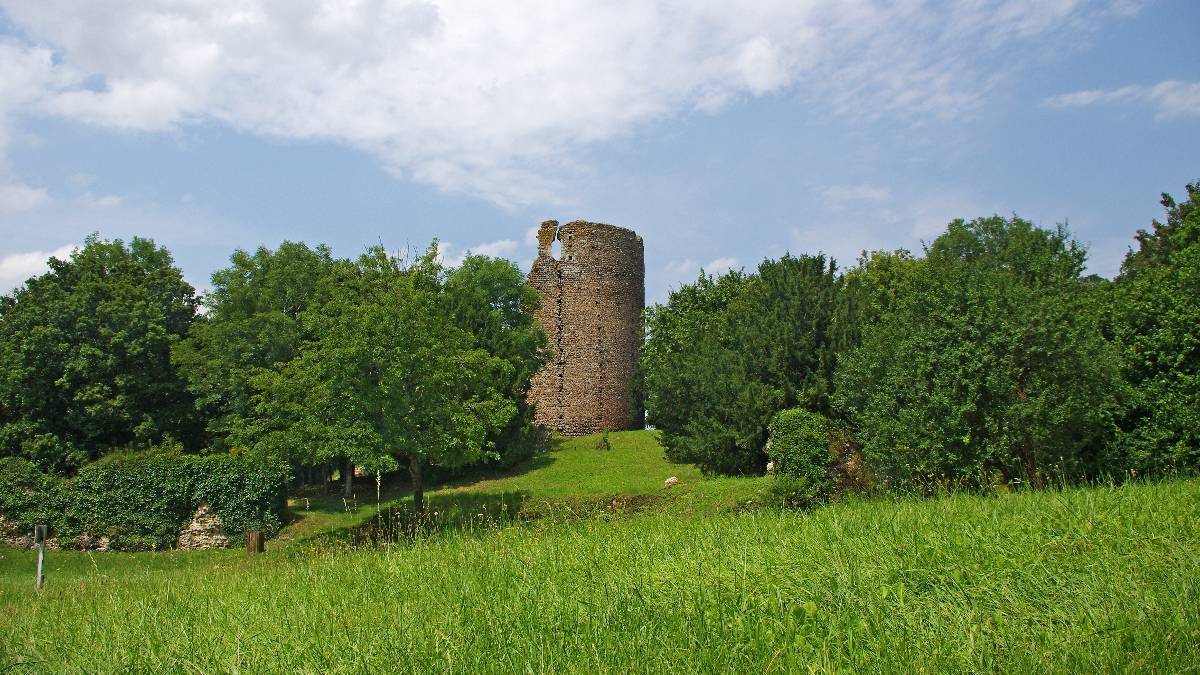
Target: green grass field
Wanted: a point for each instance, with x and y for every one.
(1082, 580)
(573, 478)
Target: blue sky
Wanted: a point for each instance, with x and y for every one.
(722, 134)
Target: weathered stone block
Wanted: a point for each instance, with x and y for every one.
(203, 531)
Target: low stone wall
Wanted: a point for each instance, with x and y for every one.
(11, 536)
(202, 532)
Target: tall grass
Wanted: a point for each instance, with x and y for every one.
(1082, 580)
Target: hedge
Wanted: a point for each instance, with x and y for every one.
(28, 497)
(142, 500)
(801, 457)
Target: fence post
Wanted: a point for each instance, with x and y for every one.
(39, 537)
(254, 541)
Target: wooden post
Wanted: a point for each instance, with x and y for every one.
(254, 541)
(39, 536)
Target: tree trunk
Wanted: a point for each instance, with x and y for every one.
(418, 486)
(348, 478)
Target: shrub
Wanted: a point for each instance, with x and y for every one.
(133, 499)
(1156, 308)
(28, 497)
(141, 500)
(990, 365)
(246, 492)
(801, 456)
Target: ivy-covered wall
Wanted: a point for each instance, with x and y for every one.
(141, 501)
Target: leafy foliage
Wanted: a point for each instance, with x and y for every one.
(989, 365)
(266, 308)
(252, 324)
(28, 496)
(870, 291)
(385, 375)
(1156, 312)
(141, 500)
(490, 299)
(801, 455)
(724, 355)
(86, 350)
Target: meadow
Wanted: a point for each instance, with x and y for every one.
(702, 577)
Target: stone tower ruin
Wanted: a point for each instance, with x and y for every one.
(592, 299)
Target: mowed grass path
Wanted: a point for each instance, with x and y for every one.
(1085, 580)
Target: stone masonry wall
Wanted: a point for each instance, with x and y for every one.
(592, 299)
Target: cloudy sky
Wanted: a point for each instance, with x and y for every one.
(722, 132)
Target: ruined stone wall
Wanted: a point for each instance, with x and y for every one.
(592, 299)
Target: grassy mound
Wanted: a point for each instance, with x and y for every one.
(1083, 580)
(575, 478)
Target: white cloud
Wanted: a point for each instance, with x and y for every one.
(1176, 99)
(495, 249)
(683, 268)
(721, 265)
(16, 197)
(1170, 98)
(16, 268)
(686, 269)
(1080, 99)
(444, 255)
(531, 235)
(502, 100)
(843, 233)
(25, 73)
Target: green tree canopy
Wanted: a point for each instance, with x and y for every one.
(385, 376)
(989, 363)
(870, 291)
(490, 299)
(724, 355)
(252, 323)
(1156, 312)
(86, 354)
(672, 374)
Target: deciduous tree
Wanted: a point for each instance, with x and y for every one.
(386, 377)
(990, 363)
(252, 324)
(490, 299)
(1156, 312)
(86, 354)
